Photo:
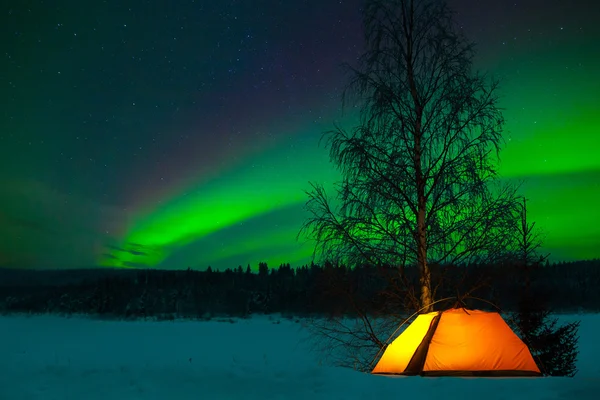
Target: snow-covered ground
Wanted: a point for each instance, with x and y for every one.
(53, 358)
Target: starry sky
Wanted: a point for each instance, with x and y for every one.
(182, 134)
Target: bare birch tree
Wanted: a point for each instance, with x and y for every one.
(419, 170)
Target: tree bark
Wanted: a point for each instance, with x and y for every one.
(421, 234)
(421, 237)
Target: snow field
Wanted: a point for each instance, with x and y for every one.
(266, 357)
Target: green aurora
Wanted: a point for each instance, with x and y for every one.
(560, 174)
(124, 145)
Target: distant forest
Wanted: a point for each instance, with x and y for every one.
(327, 290)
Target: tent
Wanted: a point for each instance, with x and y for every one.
(458, 342)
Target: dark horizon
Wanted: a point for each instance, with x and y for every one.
(253, 266)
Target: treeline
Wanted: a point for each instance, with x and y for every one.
(309, 290)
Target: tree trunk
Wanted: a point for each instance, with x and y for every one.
(421, 236)
(424, 271)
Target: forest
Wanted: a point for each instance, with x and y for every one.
(310, 290)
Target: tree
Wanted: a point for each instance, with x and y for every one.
(263, 269)
(419, 169)
(554, 346)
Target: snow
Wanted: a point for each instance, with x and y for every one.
(55, 358)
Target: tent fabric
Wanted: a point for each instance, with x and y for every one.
(458, 342)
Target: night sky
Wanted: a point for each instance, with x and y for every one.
(175, 134)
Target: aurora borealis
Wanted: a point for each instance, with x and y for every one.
(173, 134)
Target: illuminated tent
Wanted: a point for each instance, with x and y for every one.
(458, 342)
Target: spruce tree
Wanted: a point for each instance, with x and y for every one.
(554, 346)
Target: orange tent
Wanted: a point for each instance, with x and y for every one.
(458, 342)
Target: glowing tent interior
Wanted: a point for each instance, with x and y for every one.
(458, 342)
